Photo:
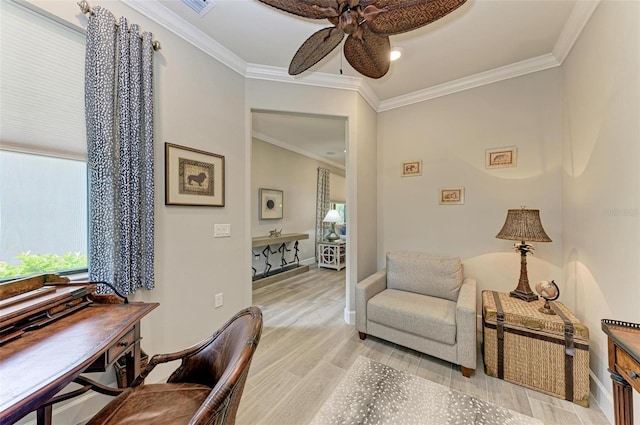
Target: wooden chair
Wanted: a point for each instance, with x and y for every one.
(205, 389)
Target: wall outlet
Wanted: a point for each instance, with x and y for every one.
(218, 300)
(221, 230)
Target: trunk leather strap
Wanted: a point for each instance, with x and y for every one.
(569, 352)
(500, 333)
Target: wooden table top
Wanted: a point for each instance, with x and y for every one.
(34, 367)
(267, 240)
(625, 335)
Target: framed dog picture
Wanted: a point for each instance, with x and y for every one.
(193, 177)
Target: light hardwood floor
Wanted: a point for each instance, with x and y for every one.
(306, 349)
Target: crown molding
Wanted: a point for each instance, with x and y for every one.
(579, 17)
(517, 69)
(318, 79)
(283, 145)
(163, 16)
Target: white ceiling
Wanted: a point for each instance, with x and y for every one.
(481, 42)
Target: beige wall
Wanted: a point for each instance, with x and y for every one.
(450, 135)
(601, 190)
(367, 193)
(273, 167)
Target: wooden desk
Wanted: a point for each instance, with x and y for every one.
(624, 365)
(34, 367)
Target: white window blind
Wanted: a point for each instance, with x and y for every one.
(41, 85)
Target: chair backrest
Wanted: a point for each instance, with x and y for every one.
(434, 275)
(223, 363)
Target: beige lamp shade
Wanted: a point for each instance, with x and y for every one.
(523, 225)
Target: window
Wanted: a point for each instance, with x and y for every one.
(43, 189)
(341, 209)
(43, 214)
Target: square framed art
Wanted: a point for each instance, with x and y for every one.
(193, 177)
(271, 204)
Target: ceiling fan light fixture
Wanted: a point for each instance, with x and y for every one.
(395, 54)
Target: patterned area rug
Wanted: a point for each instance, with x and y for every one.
(372, 393)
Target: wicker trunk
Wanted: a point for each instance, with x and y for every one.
(547, 353)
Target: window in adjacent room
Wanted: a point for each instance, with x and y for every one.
(341, 210)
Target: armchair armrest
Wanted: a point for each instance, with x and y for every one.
(466, 323)
(169, 357)
(365, 290)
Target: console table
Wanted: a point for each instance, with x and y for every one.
(279, 268)
(332, 255)
(624, 365)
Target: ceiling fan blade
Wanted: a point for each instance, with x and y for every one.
(315, 9)
(397, 16)
(315, 48)
(369, 56)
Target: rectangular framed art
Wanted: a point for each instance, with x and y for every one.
(411, 168)
(193, 177)
(271, 204)
(451, 196)
(501, 157)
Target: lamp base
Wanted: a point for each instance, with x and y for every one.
(332, 237)
(526, 296)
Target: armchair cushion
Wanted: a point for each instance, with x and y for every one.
(429, 317)
(427, 274)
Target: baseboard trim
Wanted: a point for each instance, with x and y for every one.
(350, 316)
(308, 261)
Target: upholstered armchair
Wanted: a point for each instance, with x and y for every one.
(423, 302)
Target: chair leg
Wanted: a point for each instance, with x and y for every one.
(466, 372)
(362, 335)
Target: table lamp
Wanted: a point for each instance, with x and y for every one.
(332, 217)
(523, 225)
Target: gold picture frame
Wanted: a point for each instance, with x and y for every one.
(193, 177)
(411, 168)
(451, 196)
(501, 157)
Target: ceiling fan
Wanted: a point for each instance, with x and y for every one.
(368, 23)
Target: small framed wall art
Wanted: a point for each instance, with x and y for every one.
(451, 196)
(501, 157)
(271, 204)
(411, 168)
(193, 177)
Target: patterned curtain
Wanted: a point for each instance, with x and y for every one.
(322, 204)
(119, 114)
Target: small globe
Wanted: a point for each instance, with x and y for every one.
(547, 290)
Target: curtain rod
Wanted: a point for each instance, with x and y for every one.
(87, 9)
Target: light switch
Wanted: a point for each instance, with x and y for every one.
(221, 230)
